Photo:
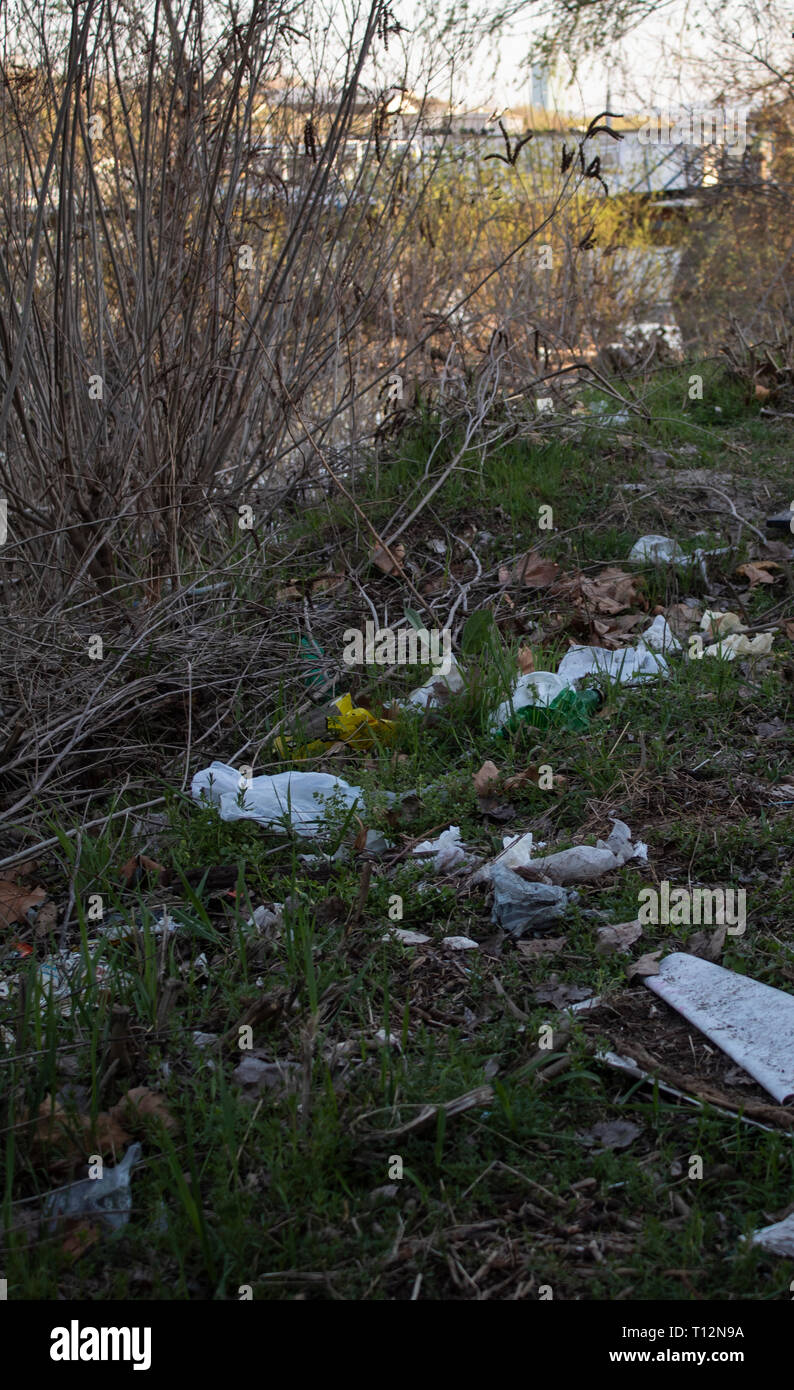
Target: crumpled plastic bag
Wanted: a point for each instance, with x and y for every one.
(720, 624)
(297, 797)
(657, 549)
(731, 642)
(447, 850)
(437, 688)
(519, 906)
(628, 666)
(736, 644)
(586, 863)
(660, 550)
(107, 1199)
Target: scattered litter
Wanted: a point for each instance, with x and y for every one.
(750, 1021)
(266, 1076)
(351, 725)
(657, 549)
(586, 863)
(783, 521)
(60, 977)
(447, 850)
(438, 688)
(629, 665)
(660, 550)
(107, 1199)
(405, 936)
(571, 710)
(520, 906)
(295, 797)
(460, 943)
(719, 624)
(517, 852)
(610, 1134)
(531, 688)
(736, 644)
(266, 919)
(777, 1239)
(204, 1039)
(540, 695)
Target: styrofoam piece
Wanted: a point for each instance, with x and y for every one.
(517, 850)
(751, 1022)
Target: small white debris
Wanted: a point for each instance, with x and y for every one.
(406, 937)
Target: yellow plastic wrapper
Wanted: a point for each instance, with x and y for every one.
(352, 725)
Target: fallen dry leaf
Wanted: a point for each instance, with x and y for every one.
(384, 562)
(141, 1103)
(612, 591)
(615, 938)
(46, 919)
(757, 571)
(541, 946)
(16, 901)
(646, 965)
(526, 661)
(532, 571)
(486, 778)
(610, 1134)
(615, 632)
(681, 617)
(139, 868)
(81, 1236)
(708, 945)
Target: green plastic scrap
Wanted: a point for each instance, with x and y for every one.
(571, 709)
(314, 657)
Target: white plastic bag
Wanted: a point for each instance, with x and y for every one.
(297, 798)
(447, 850)
(107, 1199)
